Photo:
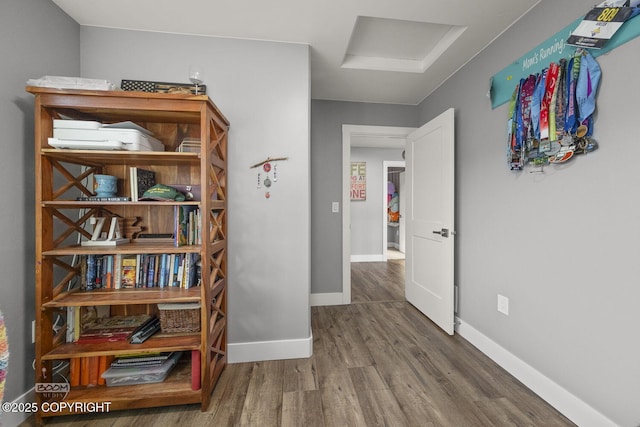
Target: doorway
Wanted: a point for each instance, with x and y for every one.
(393, 210)
(372, 136)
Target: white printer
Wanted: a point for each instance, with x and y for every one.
(91, 135)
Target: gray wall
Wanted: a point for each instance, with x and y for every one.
(563, 244)
(327, 118)
(366, 216)
(36, 39)
(263, 89)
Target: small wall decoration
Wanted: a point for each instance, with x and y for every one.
(358, 181)
(270, 172)
(551, 113)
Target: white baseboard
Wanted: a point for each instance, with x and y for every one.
(270, 350)
(569, 405)
(333, 298)
(14, 419)
(368, 258)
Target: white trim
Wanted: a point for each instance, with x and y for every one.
(14, 419)
(270, 350)
(348, 131)
(369, 258)
(568, 404)
(333, 298)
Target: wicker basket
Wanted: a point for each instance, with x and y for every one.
(179, 317)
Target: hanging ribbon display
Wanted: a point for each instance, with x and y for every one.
(558, 46)
(551, 112)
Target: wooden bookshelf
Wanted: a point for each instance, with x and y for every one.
(62, 175)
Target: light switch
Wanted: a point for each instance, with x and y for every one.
(335, 207)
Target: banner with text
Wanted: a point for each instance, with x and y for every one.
(553, 49)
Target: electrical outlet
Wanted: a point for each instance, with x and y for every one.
(503, 304)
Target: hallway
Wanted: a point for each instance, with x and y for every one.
(377, 281)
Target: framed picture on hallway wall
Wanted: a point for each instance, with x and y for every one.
(358, 180)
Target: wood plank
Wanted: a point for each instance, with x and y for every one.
(377, 281)
(300, 375)
(302, 408)
(263, 403)
(229, 396)
(342, 408)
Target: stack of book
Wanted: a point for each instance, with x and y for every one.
(187, 225)
(142, 359)
(87, 371)
(112, 329)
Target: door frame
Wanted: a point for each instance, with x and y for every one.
(382, 134)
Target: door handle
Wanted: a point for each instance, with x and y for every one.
(444, 232)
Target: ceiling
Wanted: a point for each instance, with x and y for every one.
(379, 51)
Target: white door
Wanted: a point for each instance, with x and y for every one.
(402, 193)
(429, 220)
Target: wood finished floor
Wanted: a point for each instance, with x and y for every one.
(377, 362)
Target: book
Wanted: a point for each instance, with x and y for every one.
(103, 199)
(117, 271)
(102, 366)
(94, 368)
(162, 270)
(108, 272)
(111, 329)
(145, 180)
(133, 183)
(129, 265)
(140, 180)
(154, 238)
(195, 369)
(142, 278)
(84, 371)
(177, 264)
(182, 225)
(74, 371)
(151, 271)
(97, 283)
(134, 364)
(157, 358)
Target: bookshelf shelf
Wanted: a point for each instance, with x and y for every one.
(157, 343)
(63, 295)
(124, 297)
(128, 248)
(178, 383)
(97, 157)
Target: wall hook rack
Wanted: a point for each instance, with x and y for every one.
(267, 160)
(268, 168)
